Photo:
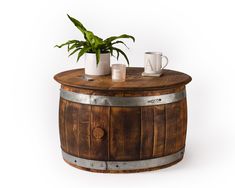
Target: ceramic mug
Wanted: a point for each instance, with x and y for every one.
(153, 62)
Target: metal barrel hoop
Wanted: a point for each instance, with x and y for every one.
(123, 165)
(122, 101)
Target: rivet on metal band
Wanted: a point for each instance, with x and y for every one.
(122, 101)
(123, 165)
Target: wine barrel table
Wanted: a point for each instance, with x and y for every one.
(117, 127)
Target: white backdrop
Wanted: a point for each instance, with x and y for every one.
(197, 36)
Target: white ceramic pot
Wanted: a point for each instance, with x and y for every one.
(91, 67)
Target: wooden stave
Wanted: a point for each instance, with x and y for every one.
(83, 152)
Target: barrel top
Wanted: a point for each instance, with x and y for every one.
(134, 80)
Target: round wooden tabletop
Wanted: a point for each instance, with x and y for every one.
(134, 80)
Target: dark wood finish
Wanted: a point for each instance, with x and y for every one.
(184, 122)
(172, 117)
(84, 133)
(100, 132)
(134, 80)
(147, 132)
(181, 125)
(159, 130)
(117, 133)
(72, 127)
(62, 130)
(123, 133)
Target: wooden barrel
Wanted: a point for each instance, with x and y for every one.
(131, 126)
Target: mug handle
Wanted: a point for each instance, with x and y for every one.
(166, 61)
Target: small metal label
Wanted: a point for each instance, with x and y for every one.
(154, 101)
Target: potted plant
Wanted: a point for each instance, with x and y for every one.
(96, 50)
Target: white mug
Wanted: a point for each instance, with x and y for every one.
(153, 62)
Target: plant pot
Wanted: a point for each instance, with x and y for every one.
(91, 67)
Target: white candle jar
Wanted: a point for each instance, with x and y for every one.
(118, 72)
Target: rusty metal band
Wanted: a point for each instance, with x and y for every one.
(122, 101)
(123, 165)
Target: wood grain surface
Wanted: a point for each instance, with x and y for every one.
(120, 134)
(109, 133)
(134, 80)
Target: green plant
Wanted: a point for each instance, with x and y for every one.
(94, 44)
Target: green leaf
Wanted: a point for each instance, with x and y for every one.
(117, 55)
(97, 56)
(82, 52)
(77, 24)
(111, 51)
(68, 47)
(77, 44)
(72, 47)
(94, 41)
(121, 52)
(110, 39)
(117, 42)
(89, 36)
(67, 43)
(74, 51)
